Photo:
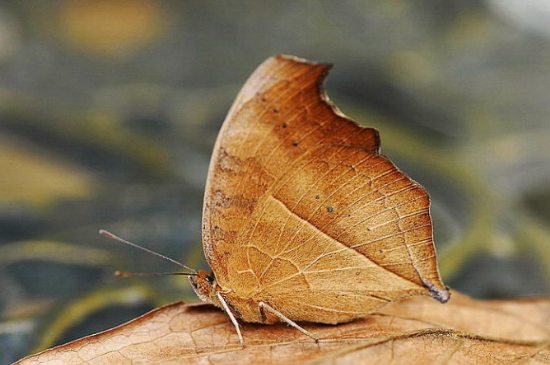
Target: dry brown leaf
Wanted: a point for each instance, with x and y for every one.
(415, 330)
(435, 346)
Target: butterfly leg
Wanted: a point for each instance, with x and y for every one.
(231, 317)
(289, 321)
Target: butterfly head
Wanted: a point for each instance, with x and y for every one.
(204, 284)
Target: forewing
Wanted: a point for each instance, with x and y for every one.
(299, 199)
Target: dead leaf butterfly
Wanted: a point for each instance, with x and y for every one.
(304, 219)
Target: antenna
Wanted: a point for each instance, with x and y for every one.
(123, 274)
(112, 236)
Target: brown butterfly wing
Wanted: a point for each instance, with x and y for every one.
(301, 211)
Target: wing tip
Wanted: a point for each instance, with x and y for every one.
(442, 295)
(284, 57)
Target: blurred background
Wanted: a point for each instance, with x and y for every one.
(109, 110)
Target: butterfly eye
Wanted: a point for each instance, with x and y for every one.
(210, 279)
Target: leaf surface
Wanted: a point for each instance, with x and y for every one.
(415, 330)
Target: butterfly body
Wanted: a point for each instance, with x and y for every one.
(302, 215)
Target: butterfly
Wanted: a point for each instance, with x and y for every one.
(303, 218)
